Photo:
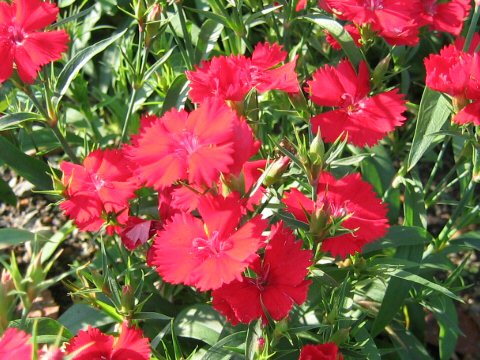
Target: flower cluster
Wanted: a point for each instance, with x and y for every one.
(457, 73)
(399, 21)
(207, 234)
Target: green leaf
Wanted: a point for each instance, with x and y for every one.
(199, 322)
(340, 34)
(445, 312)
(407, 345)
(415, 212)
(12, 121)
(151, 316)
(219, 351)
(48, 330)
(73, 67)
(209, 34)
(34, 170)
(176, 95)
(79, 316)
(6, 193)
(398, 236)
(13, 237)
(55, 240)
(434, 111)
(405, 275)
(470, 240)
(398, 288)
(158, 63)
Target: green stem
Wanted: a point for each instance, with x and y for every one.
(68, 150)
(445, 233)
(472, 28)
(53, 125)
(436, 166)
(186, 35)
(129, 114)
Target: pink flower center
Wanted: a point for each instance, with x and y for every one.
(16, 34)
(430, 7)
(373, 4)
(188, 143)
(99, 183)
(212, 246)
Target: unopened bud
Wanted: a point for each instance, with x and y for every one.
(380, 70)
(153, 23)
(128, 298)
(316, 154)
(276, 170)
(476, 165)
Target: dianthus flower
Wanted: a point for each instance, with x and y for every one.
(396, 20)
(279, 282)
(130, 345)
(232, 77)
(196, 146)
(350, 199)
(23, 43)
(99, 189)
(328, 351)
(210, 252)
(15, 344)
(457, 73)
(365, 119)
(445, 16)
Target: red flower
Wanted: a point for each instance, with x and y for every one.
(209, 253)
(103, 185)
(301, 4)
(197, 146)
(279, 282)
(137, 231)
(233, 77)
(328, 351)
(365, 119)
(21, 41)
(454, 72)
(350, 198)
(14, 344)
(352, 30)
(223, 77)
(445, 16)
(470, 114)
(396, 20)
(130, 345)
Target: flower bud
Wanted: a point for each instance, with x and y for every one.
(316, 154)
(128, 299)
(380, 71)
(153, 24)
(276, 170)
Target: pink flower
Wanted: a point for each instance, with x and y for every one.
(349, 198)
(328, 351)
(23, 43)
(445, 16)
(15, 344)
(130, 345)
(209, 253)
(196, 146)
(398, 21)
(278, 284)
(99, 188)
(233, 77)
(365, 119)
